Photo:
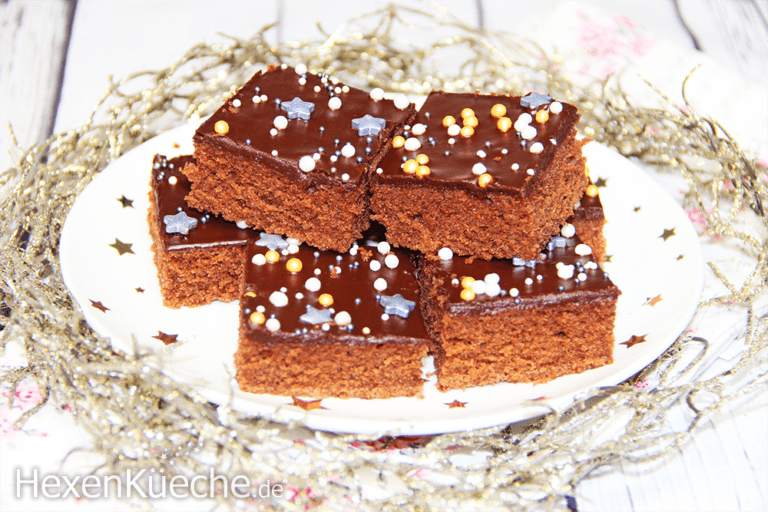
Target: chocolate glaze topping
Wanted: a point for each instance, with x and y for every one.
(252, 132)
(452, 164)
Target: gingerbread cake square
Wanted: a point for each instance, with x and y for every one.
(515, 320)
(199, 257)
(292, 153)
(490, 176)
(321, 324)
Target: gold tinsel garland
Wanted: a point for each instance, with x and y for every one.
(136, 414)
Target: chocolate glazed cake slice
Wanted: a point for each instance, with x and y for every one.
(515, 320)
(324, 324)
(292, 152)
(489, 176)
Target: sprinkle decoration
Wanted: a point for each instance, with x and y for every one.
(298, 109)
(117, 397)
(368, 125)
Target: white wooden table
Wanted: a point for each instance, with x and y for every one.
(56, 55)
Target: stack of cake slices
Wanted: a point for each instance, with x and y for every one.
(361, 235)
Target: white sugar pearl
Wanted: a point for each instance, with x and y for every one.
(401, 101)
(482, 154)
(256, 99)
(293, 249)
(334, 103)
(492, 278)
(565, 271)
(280, 122)
(590, 265)
(348, 150)
(345, 88)
(307, 163)
(528, 132)
(418, 129)
(377, 94)
(264, 97)
(582, 276)
(272, 325)
(520, 125)
(299, 295)
(345, 177)
(515, 167)
(173, 180)
(568, 230)
(301, 69)
(525, 117)
(384, 247)
(273, 132)
(380, 284)
(478, 287)
(353, 250)
(528, 281)
(492, 289)
(312, 284)
(260, 309)
(514, 292)
(412, 144)
(374, 265)
(555, 107)
(326, 327)
(445, 253)
(583, 250)
(236, 102)
(259, 259)
(278, 299)
(530, 172)
(241, 224)
(342, 318)
(318, 88)
(537, 147)
(391, 261)
(478, 169)
(454, 130)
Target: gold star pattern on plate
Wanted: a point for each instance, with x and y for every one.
(607, 258)
(122, 247)
(638, 208)
(127, 203)
(667, 234)
(139, 290)
(456, 403)
(98, 305)
(167, 339)
(307, 405)
(634, 340)
(652, 301)
(680, 257)
(601, 182)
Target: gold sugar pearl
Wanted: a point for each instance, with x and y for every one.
(467, 281)
(272, 256)
(325, 299)
(592, 190)
(470, 121)
(484, 180)
(294, 265)
(467, 294)
(398, 141)
(467, 131)
(410, 166)
(257, 318)
(467, 112)
(498, 110)
(221, 127)
(250, 294)
(504, 124)
(422, 171)
(422, 159)
(542, 116)
(448, 121)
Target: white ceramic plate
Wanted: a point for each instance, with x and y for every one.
(655, 259)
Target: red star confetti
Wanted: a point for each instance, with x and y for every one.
(167, 339)
(98, 305)
(307, 405)
(456, 403)
(652, 301)
(634, 340)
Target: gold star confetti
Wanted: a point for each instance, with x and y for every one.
(601, 182)
(638, 208)
(139, 290)
(127, 203)
(167, 339)
(122, 247)
(456, 403)
(667, 234)
(307, 405)
(608, 258)
(652, 301)
(680, 257)
(634, 340)
(98, 305)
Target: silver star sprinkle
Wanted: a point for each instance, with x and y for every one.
(397, 305)
(316, 316)
(271, 242)
(298, 108)
(179, 223)
(368, 125)
(535, 99)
